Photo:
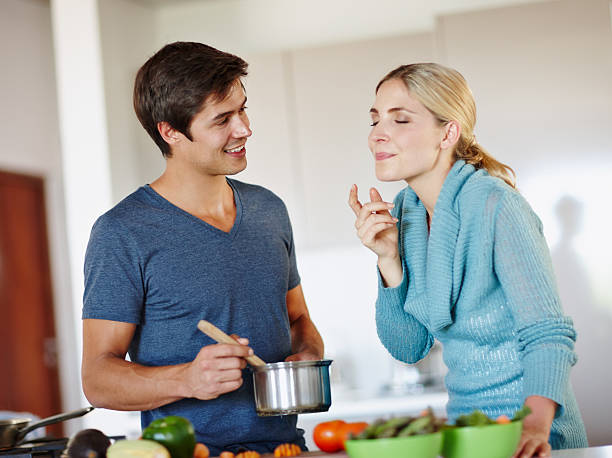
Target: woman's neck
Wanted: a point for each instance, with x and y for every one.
(429, 185)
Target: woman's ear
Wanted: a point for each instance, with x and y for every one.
(169, 133)
(452, 133)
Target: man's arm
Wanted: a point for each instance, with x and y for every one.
(306, 342)
(111, 382)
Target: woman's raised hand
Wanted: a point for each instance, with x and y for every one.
(376, 228)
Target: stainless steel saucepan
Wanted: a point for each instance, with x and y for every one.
(12, 431)
(283, 388)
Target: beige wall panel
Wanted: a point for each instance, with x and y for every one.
(541, 77)
(127, 32)
(334, 91)
(271, 150)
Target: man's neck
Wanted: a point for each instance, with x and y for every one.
(207, 197)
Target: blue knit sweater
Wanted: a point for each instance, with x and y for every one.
(481, 282)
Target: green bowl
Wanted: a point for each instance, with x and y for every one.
(490, 441)
(422, 446)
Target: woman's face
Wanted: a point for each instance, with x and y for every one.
(405, 137)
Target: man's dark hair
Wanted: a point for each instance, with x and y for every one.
(176, 81)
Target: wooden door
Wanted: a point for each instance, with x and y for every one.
(28, 366)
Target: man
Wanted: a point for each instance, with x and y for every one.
(194, 245)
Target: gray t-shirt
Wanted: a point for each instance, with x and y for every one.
(152, 264)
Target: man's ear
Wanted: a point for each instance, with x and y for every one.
(169, 133)
(452, 133)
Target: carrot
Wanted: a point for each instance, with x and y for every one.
(248, 454)
(503, 420)
(287, 450)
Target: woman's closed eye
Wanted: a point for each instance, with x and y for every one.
(397, 121)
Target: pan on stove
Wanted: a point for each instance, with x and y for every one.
(13, 430)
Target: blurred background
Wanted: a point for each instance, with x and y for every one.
(541, 74)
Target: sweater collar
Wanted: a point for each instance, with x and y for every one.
(444, 274)
(431, 260)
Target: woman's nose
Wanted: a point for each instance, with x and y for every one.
(378, 133)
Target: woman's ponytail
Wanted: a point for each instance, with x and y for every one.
(477, 156)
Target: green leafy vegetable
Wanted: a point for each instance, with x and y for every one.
(479, 418)
(405, 426)
(520, 414)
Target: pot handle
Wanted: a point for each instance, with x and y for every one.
(219, 336)
(51, 420)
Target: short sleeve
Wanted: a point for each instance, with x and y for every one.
(114, 286)
(294, 276)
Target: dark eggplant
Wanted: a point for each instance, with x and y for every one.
(89, 443)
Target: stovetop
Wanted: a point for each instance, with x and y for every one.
(39, 448)
(44, 447)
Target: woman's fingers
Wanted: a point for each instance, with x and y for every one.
(376, 205)
(354, 201)
(367, 238)
(375, 195)
(531, 448)
(373, 208)
(374, 219)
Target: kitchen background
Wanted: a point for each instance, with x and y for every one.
(541, 73)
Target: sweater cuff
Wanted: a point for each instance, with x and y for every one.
(395, 295)
(546, 374)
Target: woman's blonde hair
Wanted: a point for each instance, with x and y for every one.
(445, 93)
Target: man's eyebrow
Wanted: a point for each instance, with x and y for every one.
(392, 110)
(226, 113)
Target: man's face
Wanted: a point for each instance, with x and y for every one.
(219, 133)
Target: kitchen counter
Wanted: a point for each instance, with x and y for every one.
(591, 452)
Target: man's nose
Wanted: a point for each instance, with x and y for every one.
(242, 129)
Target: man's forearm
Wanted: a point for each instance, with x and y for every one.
(118, 384)
(305, 338)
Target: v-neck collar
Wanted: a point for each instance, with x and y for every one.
(435, 280)
(237, 201)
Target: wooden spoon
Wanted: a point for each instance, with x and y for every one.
(219, 336)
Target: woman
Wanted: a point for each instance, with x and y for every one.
(462, 259)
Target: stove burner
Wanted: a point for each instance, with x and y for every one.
(39, 447)
(42, 448)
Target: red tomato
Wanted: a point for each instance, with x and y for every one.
(327, 436)
(351, 428)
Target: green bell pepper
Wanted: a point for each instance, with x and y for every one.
(173, 432)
